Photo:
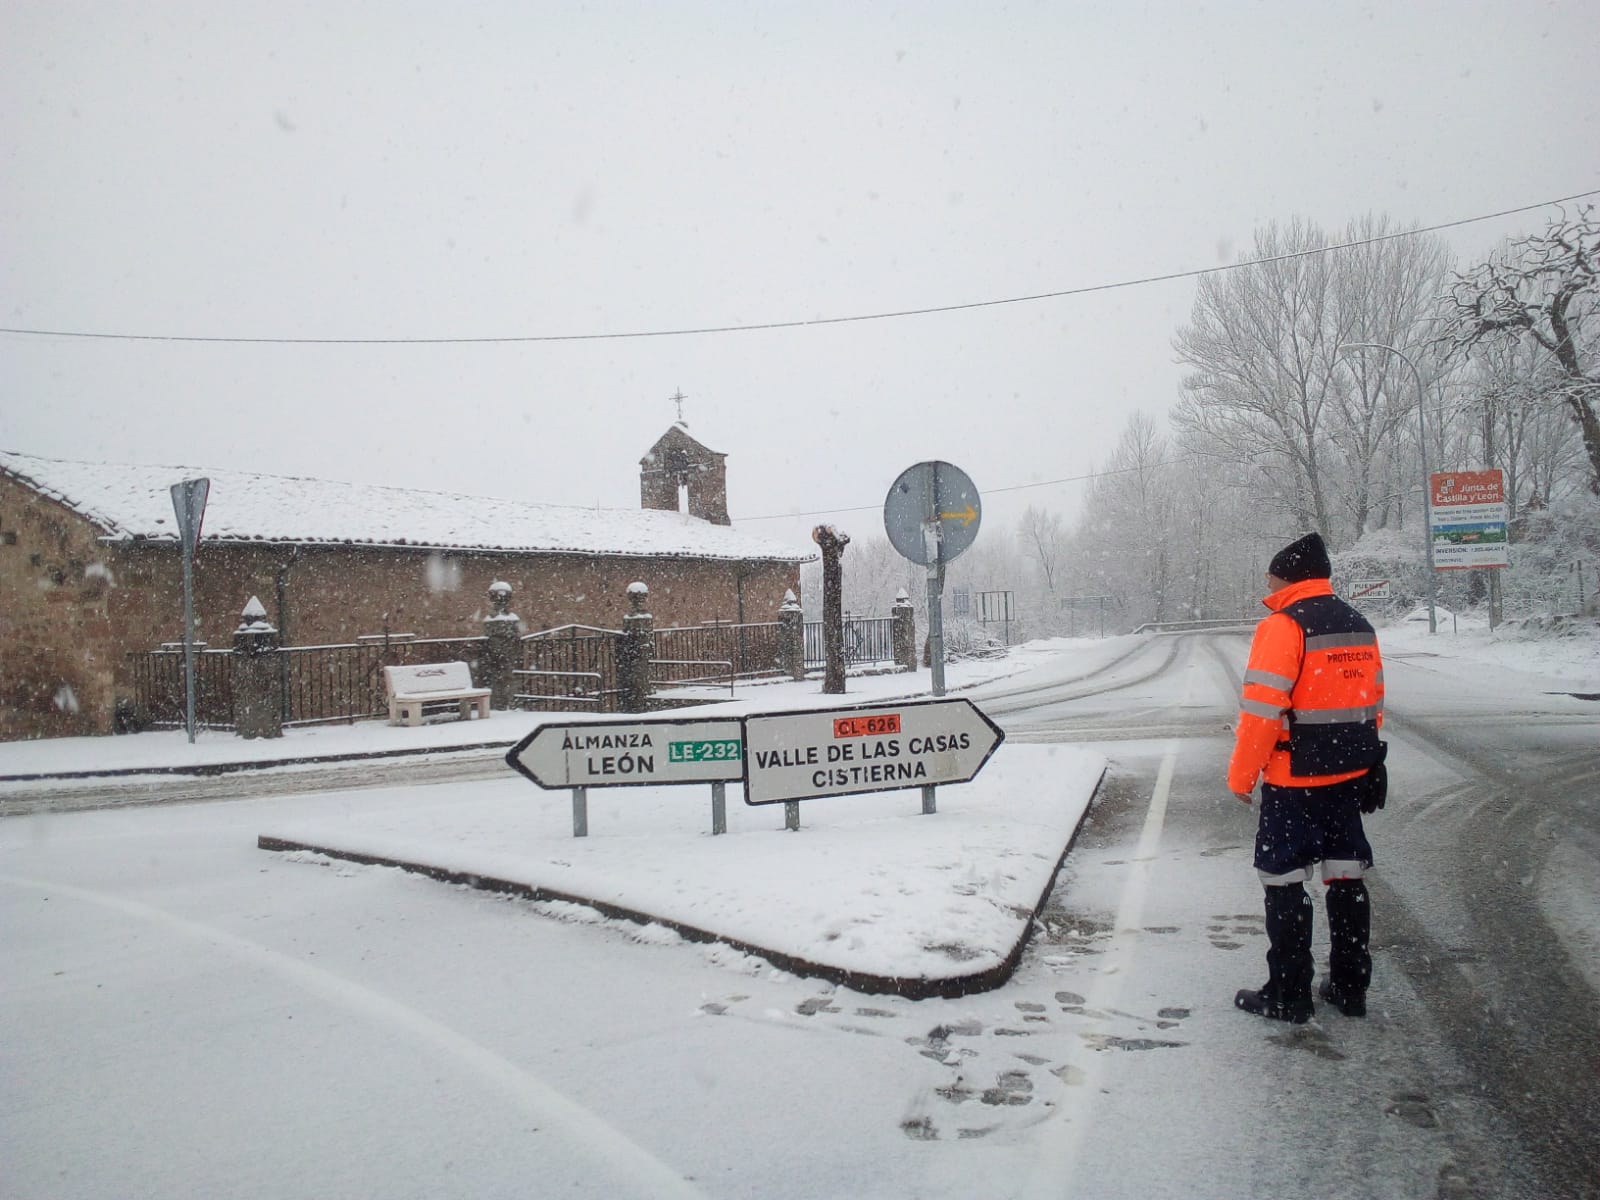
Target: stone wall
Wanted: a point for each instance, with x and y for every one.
(58, 587)
(328, 595)
(72, 607)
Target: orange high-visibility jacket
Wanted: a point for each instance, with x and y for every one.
(1312, 700)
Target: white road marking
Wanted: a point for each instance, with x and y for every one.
(1056, 1165)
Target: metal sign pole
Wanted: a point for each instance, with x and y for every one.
(719, 808)
(931, 516)
(189, 505)
(935, 541)
(188, 639)
(935, 631)
(580, 812)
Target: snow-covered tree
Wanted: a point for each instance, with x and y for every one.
(1512, 418)
(1544, 290)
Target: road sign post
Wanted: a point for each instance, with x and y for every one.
(797, 756)
(189, 503)
(633, 754)
(932, 515)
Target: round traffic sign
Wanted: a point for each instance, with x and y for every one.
(932, 512)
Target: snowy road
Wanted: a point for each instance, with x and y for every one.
(1482, 1035)
(188, 1016)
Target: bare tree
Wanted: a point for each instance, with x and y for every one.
(1044, 540)
(1130, 525)
(1270, 392)
(1544, 289)
(1260, 385)
(873, 573)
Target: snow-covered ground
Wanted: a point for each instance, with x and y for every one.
(870, 893)
(1553, 654)
(205, 1017)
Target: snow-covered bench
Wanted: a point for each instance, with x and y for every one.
(411, 689)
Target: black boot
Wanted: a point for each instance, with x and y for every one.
(1286, 996)
(1349, 963)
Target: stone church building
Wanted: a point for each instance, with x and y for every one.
(91, 567)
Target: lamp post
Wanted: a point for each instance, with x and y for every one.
(1422, 447)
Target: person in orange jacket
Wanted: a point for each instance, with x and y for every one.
(1309, 716)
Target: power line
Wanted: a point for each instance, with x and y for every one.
(1087, 289)
(1015, 487)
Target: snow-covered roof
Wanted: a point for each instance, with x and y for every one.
(128, 502)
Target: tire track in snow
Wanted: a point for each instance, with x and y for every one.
(999, 699)
(611, 1150)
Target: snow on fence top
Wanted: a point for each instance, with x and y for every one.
(134, 503)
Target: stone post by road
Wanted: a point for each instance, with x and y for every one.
(257, 684)
(502, 651)
(792, 634)
(633, 655)
(904, 631)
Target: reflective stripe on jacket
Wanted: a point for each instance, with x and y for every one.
(1312, 701)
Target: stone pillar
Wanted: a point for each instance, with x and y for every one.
(904, 631)
(502, 652)
(633, 655)
(792, 635)
(257, 684)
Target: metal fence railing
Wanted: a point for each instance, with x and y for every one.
(344, 682)
(572, 666)
(866, 640)
(161, 694)
(330, 683)
(746, 650)
(320, 684)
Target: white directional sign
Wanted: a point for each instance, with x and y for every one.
(836, 752)
(607, 754)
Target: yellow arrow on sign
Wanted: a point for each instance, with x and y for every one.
(966, 516)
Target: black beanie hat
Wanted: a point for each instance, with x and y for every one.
(1305, 559)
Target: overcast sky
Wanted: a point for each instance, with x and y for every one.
(533, 170)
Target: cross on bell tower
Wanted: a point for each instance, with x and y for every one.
(678, 398)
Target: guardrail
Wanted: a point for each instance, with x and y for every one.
(1190, 626)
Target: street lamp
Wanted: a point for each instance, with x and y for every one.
(1422, 446)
